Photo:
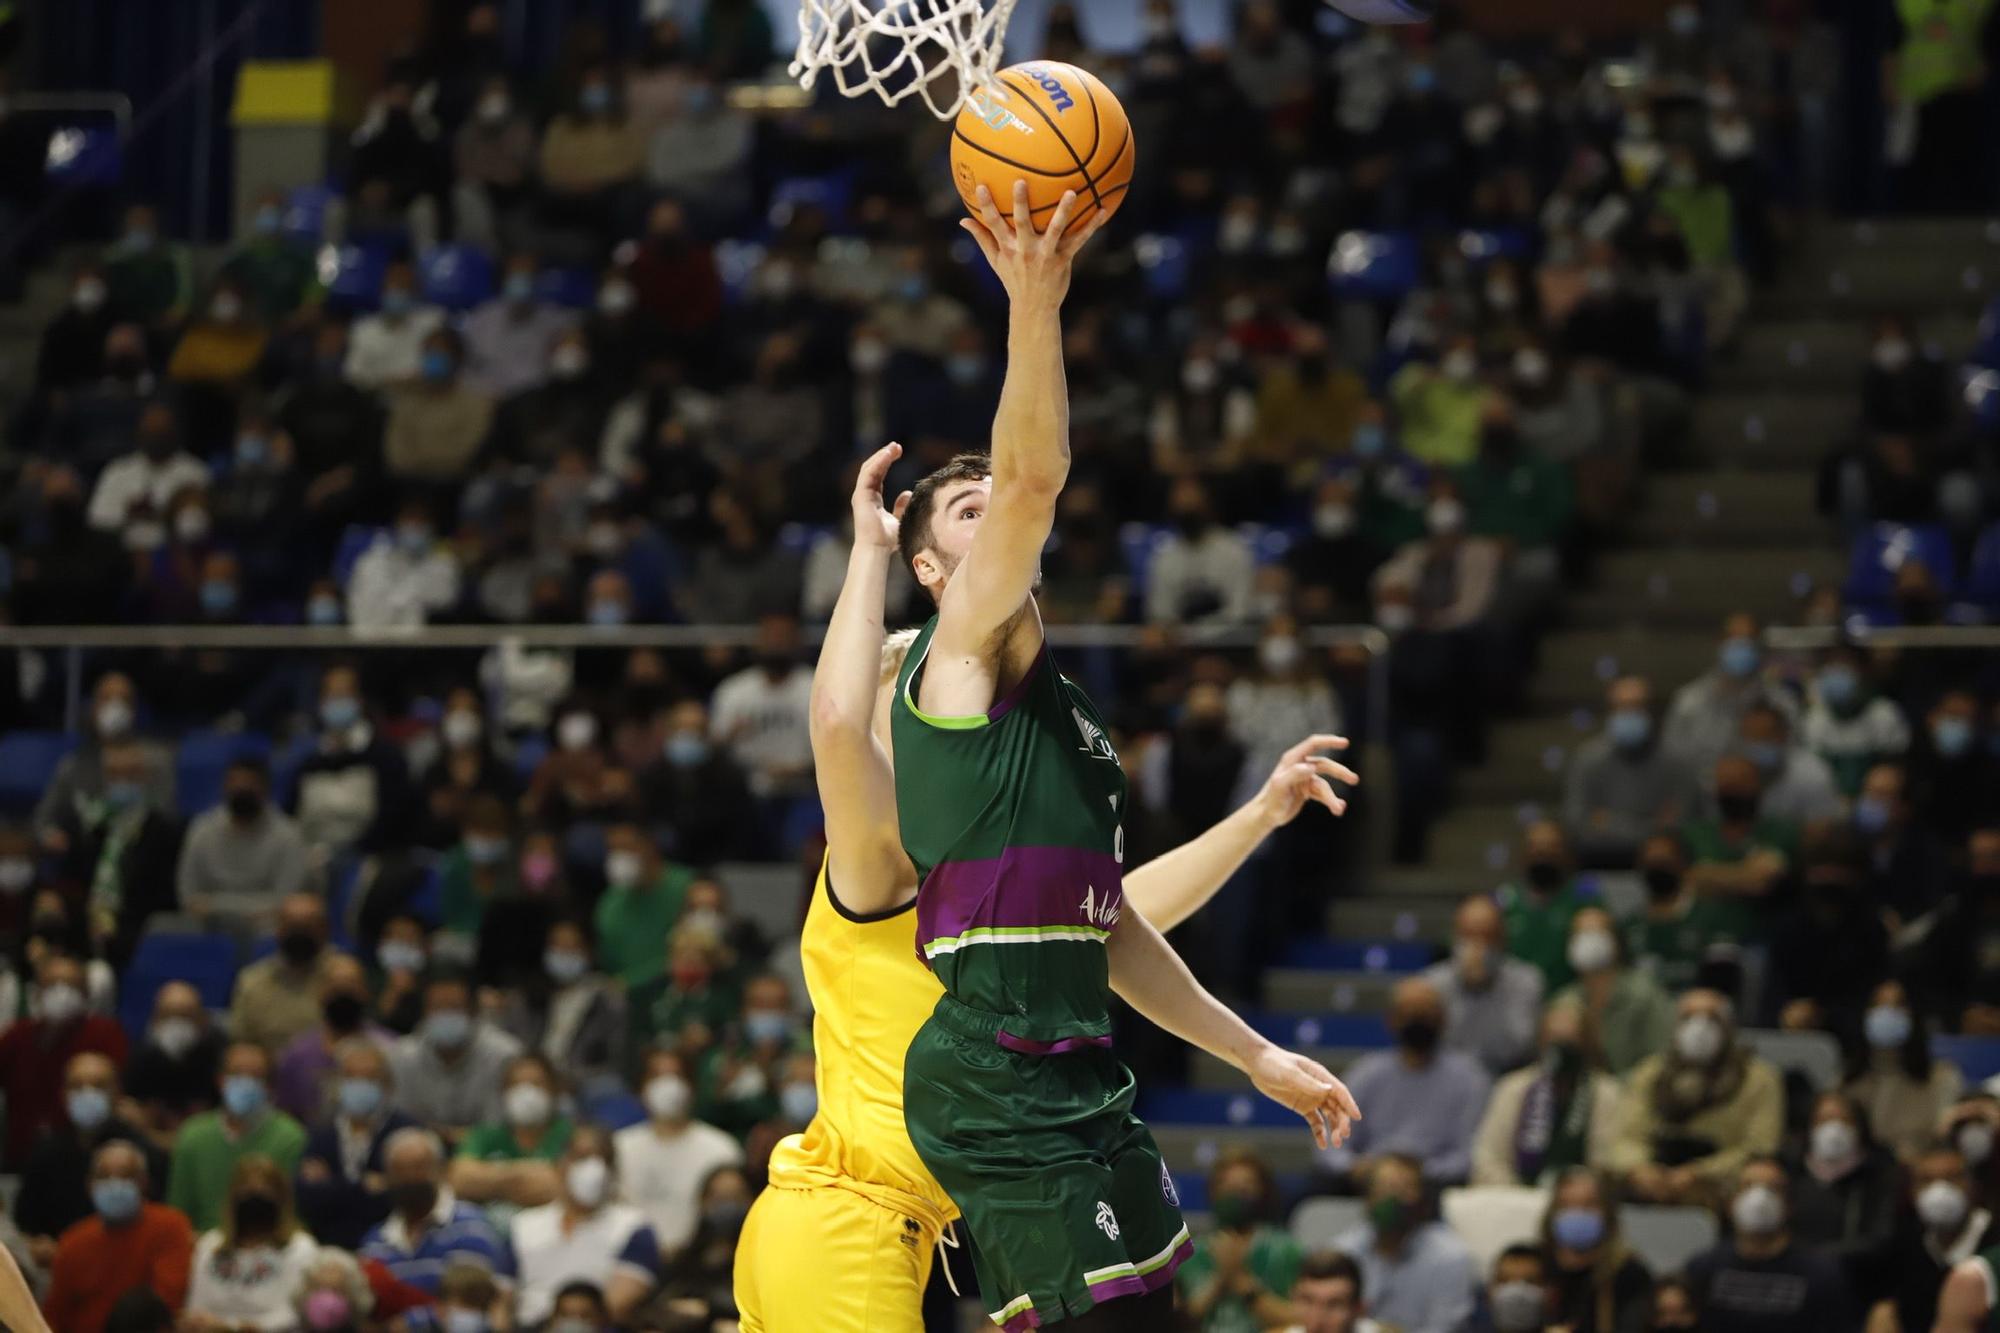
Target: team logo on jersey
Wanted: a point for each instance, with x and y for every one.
(1095, 743)
(1167, 1189)
(1105, 1221)
(1100, 912)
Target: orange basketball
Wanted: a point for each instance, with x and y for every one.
(1052, 125)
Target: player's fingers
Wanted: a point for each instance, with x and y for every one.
(1075, 240)
(989, 214)
(878, 464)
(1345, 1100)
(1313, 745)
(983, 237)
(1323, 793)
(902, 503)
(1320, 1132)
(1024, 217)
(1052, 239)
(1339, 772)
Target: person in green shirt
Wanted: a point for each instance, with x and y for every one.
(150, 279)
(210, 1145)
(1739, 856)
(1239, 1274)
(740, 1080)
(510, 1163)
(1677, 932)
(279, 275)
(1440, 404)
(479, 870)
(1512, 493)
(1538, 906)
(642, 903)
(686, 1009)
(1626, 1008)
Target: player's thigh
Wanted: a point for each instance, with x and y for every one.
(827, 1259)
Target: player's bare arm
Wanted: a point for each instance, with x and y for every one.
(1173, 887)
(1962, 1300)
(18, 1310)
(1149, 976)
(857, 787)
(988, 630)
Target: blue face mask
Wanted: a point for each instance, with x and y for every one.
(448, 1029)
(1422, 79)
(1871, 815)
(965, 370)
(88, 1108)
(218, 598)
(1578, 1228)
(1629, 728)
(915, 287)
(485, 851)
(1769, 756)
(1839, 686)
(767, 1025)
(564, 966)
(1886, 1027)
(595, 99)
(798, 1101)
(123, 795)
(116, 1201)
(464, 1321)
(1370, 439)
(400, 956)
(520, 287)
(268, 220)
(242, 1096)
(251, 449)
(1952, 736)
(609, 615)
(685, 749)
(323, 611)
(338, 714)
(396, 301)
(437, 365)
(359, 1098)
(414, 538)
(1739, 657)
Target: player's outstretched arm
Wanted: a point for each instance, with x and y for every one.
(1030, 436)
(857, 787)
(1962, 1300)
(1169, 889)
(1152, 979)
(18, 1310)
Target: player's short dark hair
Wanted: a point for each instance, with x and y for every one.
(1331, 1266)
(914, 534)
(1523, 1250)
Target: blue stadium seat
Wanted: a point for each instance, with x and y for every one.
(529, 752)
(356, 539)
(832, 193)
(1268, 544)
(1882, 550)
(575, 288)
(798, 538)
(614, 1110)
(1986, 352)
(1982, 577)
(1375, 265)
(1164, 266)
(1213, 1106)
(736, 263)
(457, 277)
(1362, 1031)
(206, 961)
(28, 761)
(202, 759)
(1141, 542)
(1359, 955)
(305, 212)
(1977, 1058)
(354, 277)
(85, 155)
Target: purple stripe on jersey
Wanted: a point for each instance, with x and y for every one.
(1005, 704)
(1063, 1047)
(1023, 1321)
(1026, 886)
(1134, 1284)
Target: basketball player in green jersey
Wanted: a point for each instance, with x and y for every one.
(1969, 1301)
(1011, 802)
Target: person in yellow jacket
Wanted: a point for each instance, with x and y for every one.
(1934, 81)
(841, 1241)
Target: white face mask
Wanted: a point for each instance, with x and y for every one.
(61, 1003)
(1280, 655)
(176, 1036)
(1834, 1141)
(668, 1098)
(1459, 365)
(1699, 1039)
(461, 728)
(1942, 1205)
(1445, 516)
(622, 869)
(576, 731)
(588, 1180)
(569, 361)
(1395, 617)
(528, 1104)
(868, 356)
(1199, 376)
(1758, 1211)
(1531, 366)
(1592, 950)
(114, 717)
(1975, 1140)
(191, 525)
(616, 298)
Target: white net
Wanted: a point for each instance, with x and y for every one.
(942, 51)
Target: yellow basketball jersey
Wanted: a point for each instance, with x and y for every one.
(870, 994)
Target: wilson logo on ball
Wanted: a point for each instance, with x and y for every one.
(1052, 86)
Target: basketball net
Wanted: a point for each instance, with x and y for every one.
(942, 51)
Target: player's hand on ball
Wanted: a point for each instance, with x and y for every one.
(1304, 774)
(1032, 265)
(1305, 1086)
(875, 522)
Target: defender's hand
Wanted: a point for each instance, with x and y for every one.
(1302, 775)
(1305, 1086)
(876, 524)
(1033, 266)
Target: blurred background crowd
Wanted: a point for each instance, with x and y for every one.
(395, 985)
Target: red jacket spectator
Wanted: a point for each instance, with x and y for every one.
(33, 1054)
(96, 1264)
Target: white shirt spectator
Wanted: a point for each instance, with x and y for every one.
(1802, 791)
(246, 1287)
(1270, 716)
(549, 1256)
(525, 683)
(766, 726)
(1878, 729)
(1206, 581)
(134, 478)
(661, 1174)
(507, 346)
(382, 351)
(394, 589)
(1702, 722)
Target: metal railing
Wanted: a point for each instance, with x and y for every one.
(1807, 638)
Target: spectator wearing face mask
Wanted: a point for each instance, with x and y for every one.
(1417, 1273)
(642, 902)
(405, 576)
(79, 778)
(1517, 1297)
(1704, 721)
(438, 421)
(1452, 578)
(242, 848)
(1538, 906)
(1631, 1015)
(122, 850)
(176, 1068)
(333, 1293)
(1951, 771)
(223, 344)
(1597, 1284)
(275, 272)
(1430, 1100)
(465, 1302)
(210, 1147)
(150, 277)
(353, 790)
(133, 492)
(1845, 1189)
(481, 871)
(72, 347)
(665, 1159)
(493, 166)
(1905, 388)
(689, 1005)
(1694, 1113)
(759, 714)
(342, 1189)
(402, 953)
(1204, 572)
(1518, 497)
(570, 1012)
(1847, 723)
(566, 410)
(1760, 1279)
(704, 793)
(510, 1163)
(743, 1077)
(1904, 870)
(1961, 980)
(1798, 785)
(1676, 935)
(1893, 1077)
(1557, 1113)
(1740, 856)
(1626, 782)
(126, 1244)
(247, 1267)
(450, 1071)
(279, 997)
(59, 1029)
(507, 339)
(1492, 1001)
(1307, 408)
(308, 1059)
(584, 1236)
(1440, 404)
(429, 1230)
(591, 157)
(1285, 697)
(387, 348)
(55, 1181)
(1239, 1272)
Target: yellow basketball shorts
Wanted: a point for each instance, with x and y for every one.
(830, 1261)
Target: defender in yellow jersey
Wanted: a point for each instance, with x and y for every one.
(841, 1241)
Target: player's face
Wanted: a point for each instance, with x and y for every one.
(954, 523)
(1325, 1305)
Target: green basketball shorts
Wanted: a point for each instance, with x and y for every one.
(1063, 1190)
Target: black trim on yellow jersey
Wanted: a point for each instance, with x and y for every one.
(863, 918)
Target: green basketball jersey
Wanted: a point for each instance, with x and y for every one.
(1014, 820)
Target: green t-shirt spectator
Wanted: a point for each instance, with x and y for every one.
(1673, 948)
(1528, 500)
(660, 1013)
(278, 277)
(1440, 416)
(1708, 844)
(1637, 1020)
(1707, 221)
(1274, 1260)
(633, 925)
(463, 902)
(1538, 929)
(495, 1142)
(205, 1155)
